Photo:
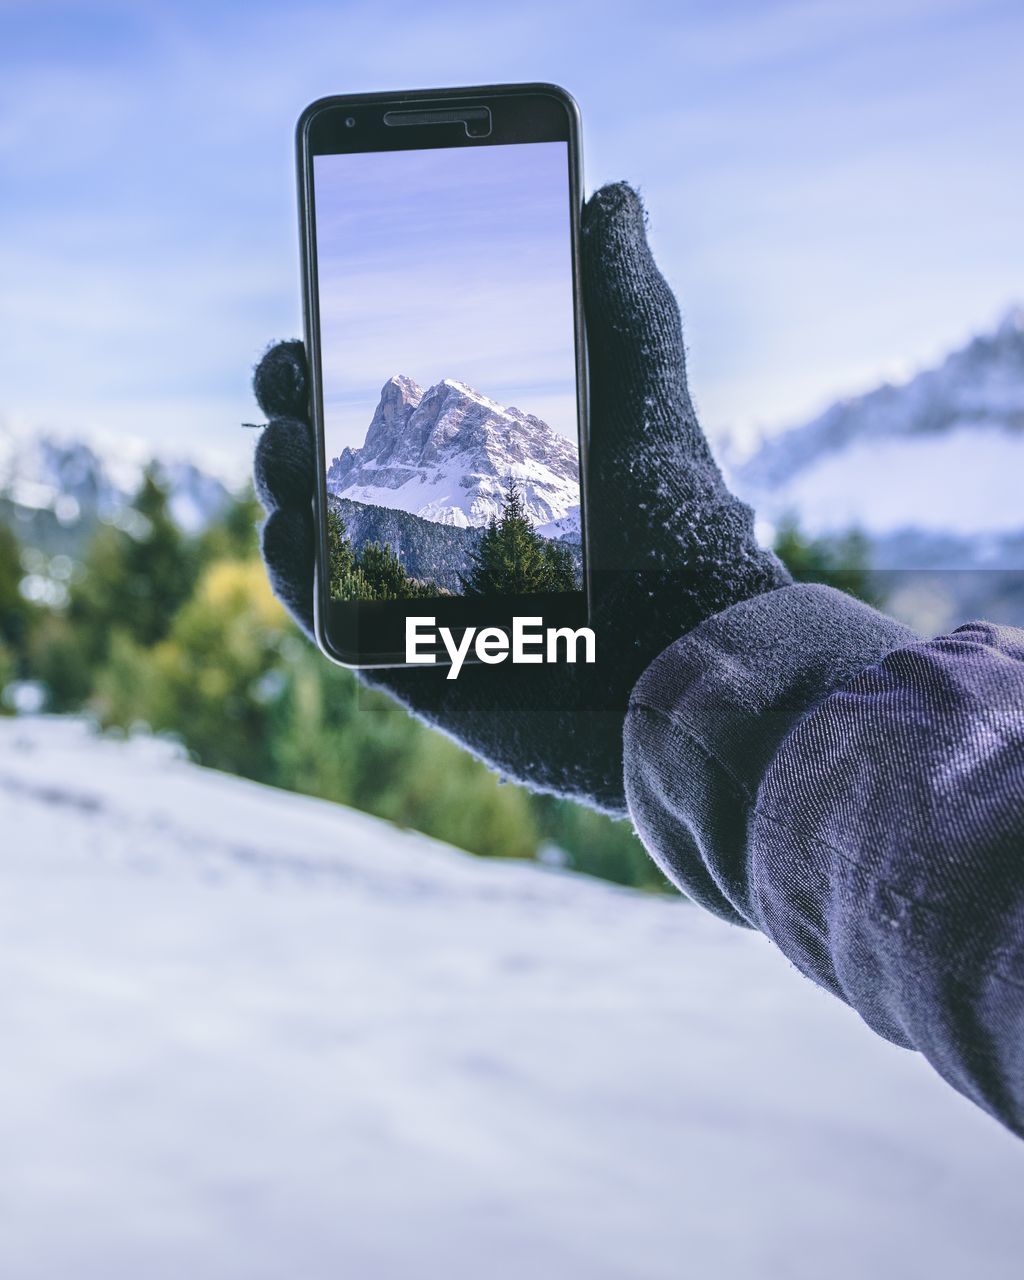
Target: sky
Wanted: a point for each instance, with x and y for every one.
(446, 264)
(834, 188)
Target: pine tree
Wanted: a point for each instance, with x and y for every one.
(161, 563)
(561, 569)
(383, 571)
(375, 573)
(387, 576)
(350, 584)
(513, 559)
(341, 560)
(234, 534)
(838, 560)
(15, 610)
(134, 580)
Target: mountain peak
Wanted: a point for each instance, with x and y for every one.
(470, 393)
(446, 454)
(1012, 321)
(400, 386)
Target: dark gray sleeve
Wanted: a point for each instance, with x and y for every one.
(808, 767)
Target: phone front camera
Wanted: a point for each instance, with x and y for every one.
(350, 122)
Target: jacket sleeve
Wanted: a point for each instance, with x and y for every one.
(808, 767)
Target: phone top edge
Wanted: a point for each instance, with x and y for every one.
(406, 96)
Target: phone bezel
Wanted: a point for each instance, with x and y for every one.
(371, 633)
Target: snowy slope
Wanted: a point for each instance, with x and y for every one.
(446, 454)
(250, 1035)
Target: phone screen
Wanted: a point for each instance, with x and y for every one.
(448, 372)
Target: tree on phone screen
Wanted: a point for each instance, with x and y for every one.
(513, 559)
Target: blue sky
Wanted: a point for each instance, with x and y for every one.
(835, 188)
(440, 264)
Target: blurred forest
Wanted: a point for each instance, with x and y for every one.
(156, 631)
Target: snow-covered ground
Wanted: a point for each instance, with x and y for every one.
(251, 1035)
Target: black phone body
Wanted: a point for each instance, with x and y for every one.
(440, 236)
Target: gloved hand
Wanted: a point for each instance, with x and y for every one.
(669, 544)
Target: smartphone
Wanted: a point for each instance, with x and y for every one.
(446, 347)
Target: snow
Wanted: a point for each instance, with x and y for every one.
(98, 474)
(253, 1035)
(473, 394)
(454, 495)
(435, 455)
(964, 481)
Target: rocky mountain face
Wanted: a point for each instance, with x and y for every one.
(446, 455)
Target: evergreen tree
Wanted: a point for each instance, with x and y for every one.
(387, 576)
(383, 570)
(561, 569)
(513, 559)
(840, 561)
(342, 561)
(351, 584)
(58, 656)
(376, 573)
(160, 564)
(135, 580)
(15, 610)
(234, 535)
(16, 614)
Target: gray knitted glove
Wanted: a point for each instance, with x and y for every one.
(669, 544)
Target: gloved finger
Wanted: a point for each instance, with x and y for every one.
(631, 312)
(280, 381)
(284, 468)
(634, 331)
(287, 544)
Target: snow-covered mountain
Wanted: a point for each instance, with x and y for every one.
(250, 1035)
(446, 454)
(940, 455)
(59, 487)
